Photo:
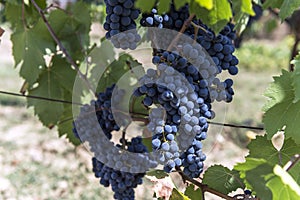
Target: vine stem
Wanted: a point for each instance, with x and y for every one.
(294, 160)
(204, 188)
(1, 32)
(61, 46)
(198, 27)
(183, 28)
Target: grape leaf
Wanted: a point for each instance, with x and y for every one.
(72, 28)
(125, 73)
(296, 78)
(29, 48)
(283, 186)
(208, 4)
(192, 193)
(242, 10)
(272, 4)
(288, 7)
(65, 125)
(268, 152)
(115, 71)
(222, 179)
(177, 195)
(13, 14)
(217, 17)
(280, 111)
(257, 178)
(14, 10)
(273, 156)
(163, 6)
(157, 173)
(179, 3)
(145, 6)
(101, 57)
(249, 164)
(48, 112)
(63, 72)
(253, 172)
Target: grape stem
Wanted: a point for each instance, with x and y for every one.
(183, 28)
(290, 164)
(198, 27)
(23, 16)
(204, 188)
(61, 46)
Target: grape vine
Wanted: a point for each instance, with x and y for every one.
(193, 58)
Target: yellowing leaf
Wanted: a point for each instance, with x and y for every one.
(208, 4)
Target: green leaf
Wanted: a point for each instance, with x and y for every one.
(257, 179)
(208, 4)
(147, 142)
(145, 6)
(163, 6)
(242, 10)
(72, 28)
(41, 3)
(222, 179)
(157, 173)
(217, 17)
(283, 186)
(13, 14)
(177, 195)
(101, 58)
(48, 113)
(29, 48)
(249, 164)
(115, 71)
(14, 10)
(63, 72)
(65, 125)
(192, 193)
(296, 78)
(269, 153)
(179, 3)
(280, 109)
(272, 4)
(287, 8)
(137, 107)
(125, 72)
(254, 172)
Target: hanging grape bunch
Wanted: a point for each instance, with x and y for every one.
(120, 24)
(178, 94)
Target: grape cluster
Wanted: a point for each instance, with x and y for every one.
(121, 182)
(120, 165)
(101, 108)
(173, 86)
(178, 93)
(120, 24)
(220, 47)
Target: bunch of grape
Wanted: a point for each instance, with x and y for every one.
(220, 47)
(173, 86)
(122, 182)
(101, 111)
(120, 165)
(120, 24)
